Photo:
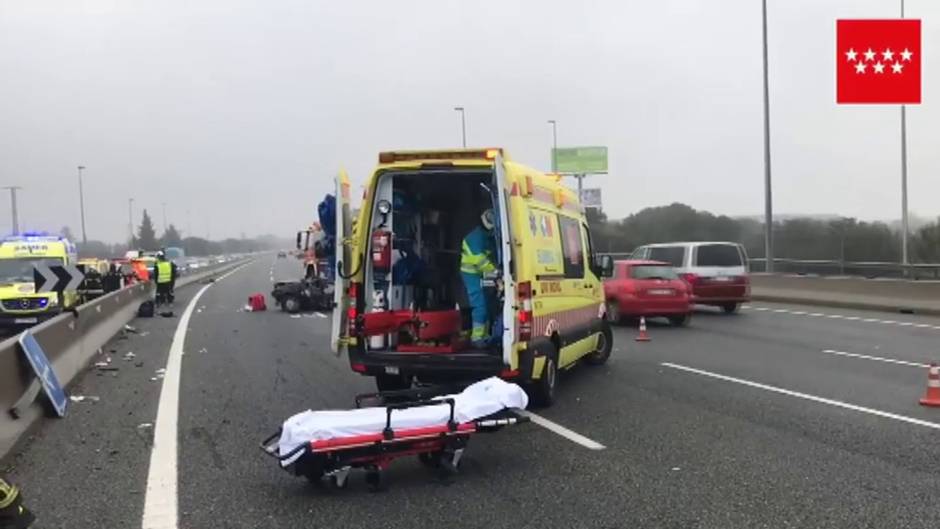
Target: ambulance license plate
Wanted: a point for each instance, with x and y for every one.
(391, 370)
(26, 320)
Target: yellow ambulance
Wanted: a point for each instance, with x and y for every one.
(20, 305)
(402, 311)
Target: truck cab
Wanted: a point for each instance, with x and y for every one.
(20, 305)
(401, 308)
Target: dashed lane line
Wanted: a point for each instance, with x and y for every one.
(805, 396)
(843, 317)
(875, 358)
(556, 428)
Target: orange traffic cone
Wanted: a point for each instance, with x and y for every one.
(932, 396)
(642, 337)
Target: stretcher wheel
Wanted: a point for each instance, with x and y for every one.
(338, 483)
(376, 480)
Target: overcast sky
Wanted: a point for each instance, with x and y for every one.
(238, 113)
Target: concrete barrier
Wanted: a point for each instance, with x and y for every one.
(70, 342)
(893, 295)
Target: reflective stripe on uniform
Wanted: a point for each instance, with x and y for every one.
(478, 332)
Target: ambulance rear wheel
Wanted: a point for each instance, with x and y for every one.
(543, 391)
(605, 342)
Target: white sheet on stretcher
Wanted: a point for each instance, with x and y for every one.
(477, 400)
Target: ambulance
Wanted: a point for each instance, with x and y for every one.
(400, 307)
(20, 305)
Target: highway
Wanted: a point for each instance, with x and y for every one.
(781, 416)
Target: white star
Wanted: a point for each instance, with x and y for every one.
(869, 55)
(859, 67)
(897, 67)
(887, 54)
(879, 68)
(906, 54)
(851, 54)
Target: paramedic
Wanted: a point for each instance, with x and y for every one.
(476, 261)
(12, 512)
(164, 275)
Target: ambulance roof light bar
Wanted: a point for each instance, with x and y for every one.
(456, 154)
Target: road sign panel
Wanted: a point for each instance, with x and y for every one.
(43, 369)
(57, 278)
(580, 160)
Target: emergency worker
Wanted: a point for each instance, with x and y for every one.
(477, 262)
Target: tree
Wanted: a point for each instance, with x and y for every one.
(171, 237)
(146, 236)
(67, 233)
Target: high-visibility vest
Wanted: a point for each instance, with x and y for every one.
(164, 272)
(140, 270)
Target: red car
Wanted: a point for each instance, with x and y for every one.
(649, 289)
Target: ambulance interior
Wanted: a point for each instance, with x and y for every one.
(412, 262)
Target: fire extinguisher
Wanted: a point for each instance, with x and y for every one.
(381, 250)
(378, 305)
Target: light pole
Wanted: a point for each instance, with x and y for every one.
(768, 192)
(905, 227)
(81, 202)
(164, 217)
(463, 124)
(130, 220)
(554, 125)
(16, 219)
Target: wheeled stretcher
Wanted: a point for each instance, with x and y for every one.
(325, 446)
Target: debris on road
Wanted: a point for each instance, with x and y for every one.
(160, 371)
(203, 350)
(131, 329)
(144, 425)
(153, 379)
(139, 364)
(145, 333)
(83, 398)
(295, 316)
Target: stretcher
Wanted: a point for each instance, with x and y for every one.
(414, 423)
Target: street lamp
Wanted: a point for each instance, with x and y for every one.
(16, 219)
(130, 220)
(81, 202)
(164, 216)
(768, 192)
(554, 125)
(463, 124)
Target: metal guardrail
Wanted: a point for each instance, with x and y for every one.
(70, 341)
(871, 269)
(827, 267)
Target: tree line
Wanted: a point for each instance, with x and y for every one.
(841, 238)
(146, 238)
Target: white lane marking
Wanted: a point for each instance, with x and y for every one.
(846, 318)
(875, 358)
(553, 427)
(806, 396)
(160, 502)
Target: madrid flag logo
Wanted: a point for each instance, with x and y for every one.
(878, 61)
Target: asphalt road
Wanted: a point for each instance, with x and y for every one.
(735, 421)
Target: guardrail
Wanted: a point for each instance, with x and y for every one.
(70, 342)
(870, 269)
(829, 267)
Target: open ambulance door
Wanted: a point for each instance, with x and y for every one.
(505, 258)
(342, 263)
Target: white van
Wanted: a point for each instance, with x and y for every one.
(716, 271)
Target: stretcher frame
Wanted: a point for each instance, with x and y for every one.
(439, 447)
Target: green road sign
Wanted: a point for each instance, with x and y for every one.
(580, 159)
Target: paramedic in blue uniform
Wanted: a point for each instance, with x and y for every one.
(477, 258)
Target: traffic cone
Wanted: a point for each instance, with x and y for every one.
(642, 337)
(932, 396)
